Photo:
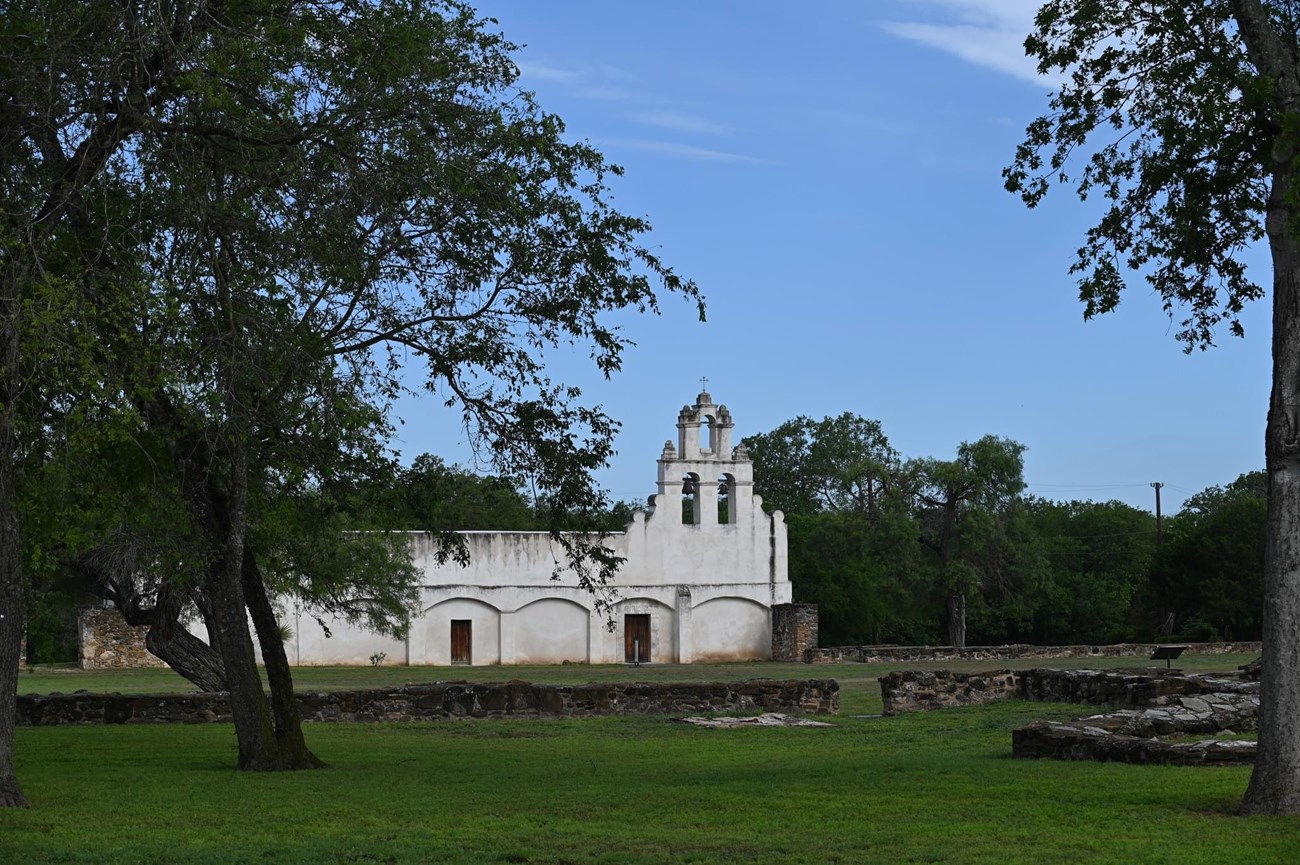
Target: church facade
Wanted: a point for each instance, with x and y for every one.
(703, 568)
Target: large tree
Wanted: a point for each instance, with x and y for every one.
(842, 463)
(969, 510)
(76, 81)
(852, 537)
(1185, 118)
(287, 214)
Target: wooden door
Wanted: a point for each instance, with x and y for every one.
(636, 637)
(460, 641)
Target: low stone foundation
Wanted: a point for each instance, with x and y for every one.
(1164, 704)
(924, 690)
(1129, 736)
(451, 700)
(916, 654)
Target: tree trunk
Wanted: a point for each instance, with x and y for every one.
(956, 606)
(1275, 782)
(171, 641)
(254, 730)
(228, 620)
(11, 611)
(11, 554)
(957, 617)
(248, 707)
(188, 655)
(294, 753)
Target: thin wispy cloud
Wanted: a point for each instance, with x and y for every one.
(599, 83)
(684, 151)
(678, 122)
(546, 72)
(988, 33)
(610, 84)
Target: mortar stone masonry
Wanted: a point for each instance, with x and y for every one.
(109, 643)
(1015, 651)
(1132, 735)
(442, 700)
(1160, 704)
(794, 631)
(924, 690)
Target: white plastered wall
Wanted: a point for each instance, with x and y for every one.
(708, 586)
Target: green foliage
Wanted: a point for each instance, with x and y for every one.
(311, 205)
(853, 549)
(843, 463)
(941, 536)
(883, 546)
(1186, 118)
(432, 496)
(52, 636)
(1209, 572)
(864, 578)
(971, 521)
(252, 224)
(1163, 116)
(1099, 558)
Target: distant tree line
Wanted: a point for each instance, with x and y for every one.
(951, 551)
(901, 550)
(892, 550)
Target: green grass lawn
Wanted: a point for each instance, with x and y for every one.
(930, 787)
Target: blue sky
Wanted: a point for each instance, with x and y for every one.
(830, 175)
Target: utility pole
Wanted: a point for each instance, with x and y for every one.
(1159, 523)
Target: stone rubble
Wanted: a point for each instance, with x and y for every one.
(1132, 735)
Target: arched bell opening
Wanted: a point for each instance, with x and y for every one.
(691, 499)
(726, 512)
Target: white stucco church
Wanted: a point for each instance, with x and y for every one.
(704, 567)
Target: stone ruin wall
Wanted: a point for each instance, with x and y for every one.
(925, 654)
(108, 642)
(1162, 704)
(925, 690)
(794, 631)
(451, 700)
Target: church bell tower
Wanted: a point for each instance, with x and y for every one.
(705, 468)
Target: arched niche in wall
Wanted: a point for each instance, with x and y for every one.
(551, 631)
(731, 629)
(726, 513)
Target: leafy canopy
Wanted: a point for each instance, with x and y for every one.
(1161, 114)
